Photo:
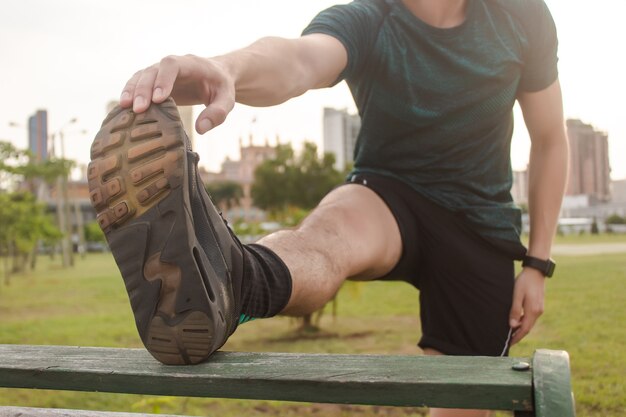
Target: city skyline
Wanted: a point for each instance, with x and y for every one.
(71, 58)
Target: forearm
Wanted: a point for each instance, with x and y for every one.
(268, 72)
(547, 178)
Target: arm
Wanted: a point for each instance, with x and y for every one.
(273, 70)
(543, 114)
(268, 72)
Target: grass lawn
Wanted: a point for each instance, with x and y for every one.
(87, 306)
(587, 238)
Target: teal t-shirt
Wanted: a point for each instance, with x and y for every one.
(436, 104)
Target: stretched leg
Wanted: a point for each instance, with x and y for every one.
(351, 234)
(189, 279)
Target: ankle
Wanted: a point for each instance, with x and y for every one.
(267, 284)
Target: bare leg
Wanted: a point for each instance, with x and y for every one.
(350, 234)
(454, 412)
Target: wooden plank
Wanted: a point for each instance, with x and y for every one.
(443, 381)
(60, 412)
(553, 387)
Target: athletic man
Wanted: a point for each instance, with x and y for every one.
(428, 201)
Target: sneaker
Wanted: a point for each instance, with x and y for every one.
(181, 264)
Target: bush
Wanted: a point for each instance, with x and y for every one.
(615, 219)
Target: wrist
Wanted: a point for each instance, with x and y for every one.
(545, 266)
(227, 66)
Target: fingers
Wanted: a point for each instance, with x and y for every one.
(532, 311)
(515, 316)
(128, 93)
(153, 84)
(138, 90)
(517, 320)
(527, 323)
(144, 88)
(520, 332)
(165, 79)
(217, 110)
(526, 309)
(190, 80)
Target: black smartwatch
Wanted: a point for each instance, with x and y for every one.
(546, 267)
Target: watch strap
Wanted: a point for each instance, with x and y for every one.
(546, 267)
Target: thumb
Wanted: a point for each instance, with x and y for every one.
(515, 315)
(215, 113)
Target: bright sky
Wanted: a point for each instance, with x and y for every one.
(72, 57)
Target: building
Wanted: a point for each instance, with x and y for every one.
(589, 162)
(618, 192)
(241, 171)
(340, 134)
(38, 135)
(584, 206)
(209, 177)
(76, 212)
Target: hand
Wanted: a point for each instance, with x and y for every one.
(189, 80)
(528, 297)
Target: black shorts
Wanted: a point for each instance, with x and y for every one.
(465, 280)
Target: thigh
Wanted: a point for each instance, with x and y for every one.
(356, 225)
(465, 280)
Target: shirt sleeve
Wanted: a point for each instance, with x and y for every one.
(355, 25)
(540, 55)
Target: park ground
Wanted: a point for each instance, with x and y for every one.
(87, 306)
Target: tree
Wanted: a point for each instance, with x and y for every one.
(23, 221)
(16, 165)
(291, 180)
(615, 219)
(225, 194)
(274, 181)
(594, 227)
(23, 224)
(93, 232)
(317, 176)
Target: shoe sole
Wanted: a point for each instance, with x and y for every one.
(137, 184)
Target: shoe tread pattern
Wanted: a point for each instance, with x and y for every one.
(137, 161)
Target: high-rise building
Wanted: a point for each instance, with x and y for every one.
(38, 135)
(590, 172)
(340, 133)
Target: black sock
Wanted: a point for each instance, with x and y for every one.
(266, 286)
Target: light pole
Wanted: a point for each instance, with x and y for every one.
(63, 209)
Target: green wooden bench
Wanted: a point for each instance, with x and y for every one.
(538, 386)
